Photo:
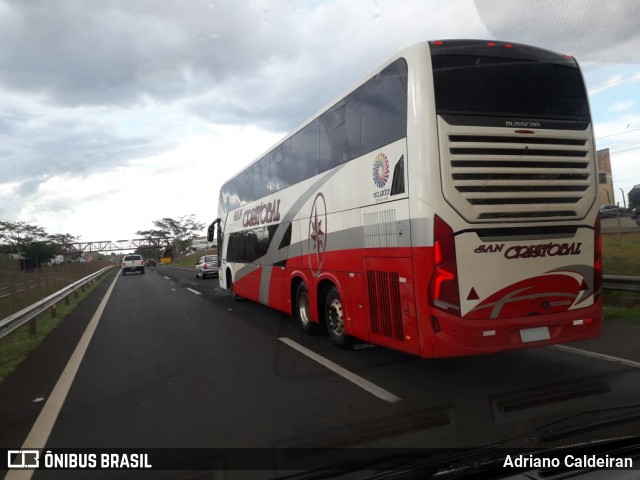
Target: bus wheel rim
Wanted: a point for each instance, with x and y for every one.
(336, 319)
(303, 309)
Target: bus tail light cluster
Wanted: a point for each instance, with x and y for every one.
(444, 292)
(597, 259)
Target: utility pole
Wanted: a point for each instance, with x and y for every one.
(623, 197)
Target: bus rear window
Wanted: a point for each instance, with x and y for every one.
(514, 87)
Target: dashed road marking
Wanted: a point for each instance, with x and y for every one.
(343, 372)
(600, 356)
(194, 291)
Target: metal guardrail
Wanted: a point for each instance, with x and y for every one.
(18, 319)
(619, 282)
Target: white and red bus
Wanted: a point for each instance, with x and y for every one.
(443, 206)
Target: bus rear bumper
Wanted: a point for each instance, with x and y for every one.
(456, 336)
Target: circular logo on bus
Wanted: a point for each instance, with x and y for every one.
(380, 170)
(317, 241)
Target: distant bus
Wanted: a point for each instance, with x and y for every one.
(443, 206)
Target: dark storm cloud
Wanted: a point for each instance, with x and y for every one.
(116, 53)
(591, 30)
(65, 148)
(72, 72)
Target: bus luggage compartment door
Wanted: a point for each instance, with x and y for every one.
(392, 313)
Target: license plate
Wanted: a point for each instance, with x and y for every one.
(537, 334)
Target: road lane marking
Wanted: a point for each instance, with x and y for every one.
(41, 429)
(600, 356)
(167, 278)
(343, 372)
(194, 291)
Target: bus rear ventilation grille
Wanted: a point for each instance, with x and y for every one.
(384, 304)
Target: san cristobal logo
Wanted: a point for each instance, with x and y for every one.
(380, 170)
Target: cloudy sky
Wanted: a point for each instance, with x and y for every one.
(118, 112)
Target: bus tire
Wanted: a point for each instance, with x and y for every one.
(334, 319)
(234, 296)
(302, 309)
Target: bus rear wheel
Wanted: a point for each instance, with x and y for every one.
(302, 309)
(334, 318)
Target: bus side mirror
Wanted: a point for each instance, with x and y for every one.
(211, 230)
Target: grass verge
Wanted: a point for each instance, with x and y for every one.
(621, 254)
(15, 347)
(189, 261)
(621, 306)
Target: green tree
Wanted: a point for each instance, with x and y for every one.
(64, 243)
(178, 233)
(15, 235)
(39, 251)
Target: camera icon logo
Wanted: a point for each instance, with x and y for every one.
(23, 458)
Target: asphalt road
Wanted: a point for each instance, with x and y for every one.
(174, 362)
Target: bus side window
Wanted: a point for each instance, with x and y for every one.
(244, 186)
(397, 185)
(282, 174)
(257, 180)
(305, 147)
(269, 171)
(384, 107)
(325, 158)
(340, 137)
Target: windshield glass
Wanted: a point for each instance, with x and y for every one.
(353, 226)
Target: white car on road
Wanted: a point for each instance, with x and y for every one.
(207, 265)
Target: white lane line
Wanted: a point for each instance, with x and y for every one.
(343, 372)
(600, 356)
(41, 429)
(167, 278)
(194, 291)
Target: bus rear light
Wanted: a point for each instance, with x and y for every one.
(123, 264)
(583, 321)
(597, 259)
(444, 293)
